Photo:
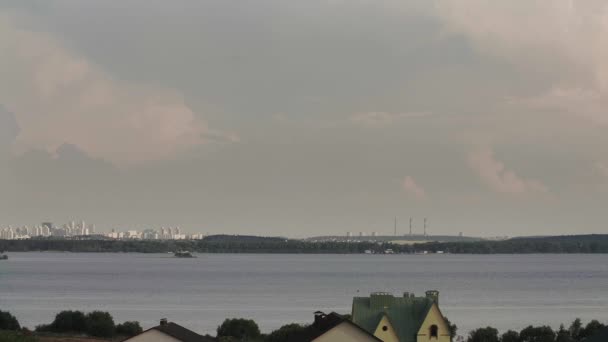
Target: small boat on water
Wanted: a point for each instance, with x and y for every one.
(183, 254)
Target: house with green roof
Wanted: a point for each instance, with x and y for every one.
(402, 319)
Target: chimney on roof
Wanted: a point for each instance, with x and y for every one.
(433, 294)
(319, 315)
(163, 321)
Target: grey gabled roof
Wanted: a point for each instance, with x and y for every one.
(330, 321)
(178, 332)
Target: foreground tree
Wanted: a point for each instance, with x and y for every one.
(286, 333)
(66, 321)
(537, 334)
(128, 329)
(563, 335)
(100, 324)
(510, 336)
(575, 329)
(487, 334)
(453, 328)
(8, 321)
(591, 329)
(239, 329)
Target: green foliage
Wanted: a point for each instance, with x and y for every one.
(128, 329)
(591, 329)
(66, 321)
(15, 336)
(487, 334)
(240, 329)
(100, 324)
(510, 336)
(563, 335)
(8, 321)
(575, 329)
(247, 244)
(286, 333)
(96, 323)
(537, 334)
(452, 327)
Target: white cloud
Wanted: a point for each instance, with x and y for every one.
(500, 179)
(383, 118)
(567, 38)
(410, 186)
(60, 97)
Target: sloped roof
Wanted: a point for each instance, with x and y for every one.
(181, 333)
(178, 332)
(406, 314)
(324, 323)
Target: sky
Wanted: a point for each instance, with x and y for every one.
(302, 118)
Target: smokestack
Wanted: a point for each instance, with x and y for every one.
(410, 226)
(319, 316)
(163, 321)
(425, 226)
(395, 225)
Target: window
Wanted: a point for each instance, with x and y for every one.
(384, 328)
(434, 331)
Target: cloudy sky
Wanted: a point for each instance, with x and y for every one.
(300, 118)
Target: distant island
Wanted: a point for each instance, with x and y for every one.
(594, 243)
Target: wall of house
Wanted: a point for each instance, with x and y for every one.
(387, 335)
(434, 317)
(345, 332)
(152, 336)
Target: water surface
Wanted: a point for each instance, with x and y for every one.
(504, 291)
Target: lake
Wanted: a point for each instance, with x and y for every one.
(504, 291)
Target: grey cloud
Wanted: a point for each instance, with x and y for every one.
(59, 97)
(220, 67)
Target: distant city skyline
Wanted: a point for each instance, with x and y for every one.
(303, 118)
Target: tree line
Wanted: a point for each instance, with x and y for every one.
(240, 244)
(575, 333)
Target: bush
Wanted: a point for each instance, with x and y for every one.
(286, 333)
(15, 336)
(100, 324)
(8, 321)
(128, 329)
(239, 328)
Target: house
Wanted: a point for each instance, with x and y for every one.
(168, 332)
(402, 319)
(334, 328)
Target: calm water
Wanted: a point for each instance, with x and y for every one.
(505, 291)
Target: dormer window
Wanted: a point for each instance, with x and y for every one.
(434, 331)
